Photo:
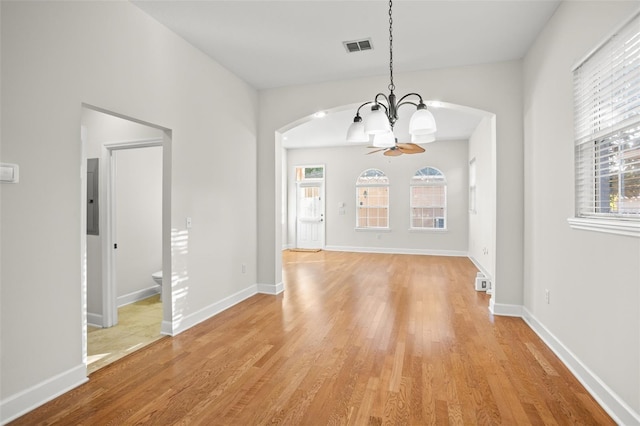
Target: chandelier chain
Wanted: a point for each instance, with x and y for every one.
(391, 85)
(384, 115)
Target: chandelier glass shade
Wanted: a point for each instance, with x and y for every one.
(377, 122)
(384, 110)
(422, 123)
(356, 131)
(384, 140)
(423, 138)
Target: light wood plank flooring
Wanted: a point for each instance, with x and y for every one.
(138, 325)
(355, 339)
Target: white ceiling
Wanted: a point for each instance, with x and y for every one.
(272, 44)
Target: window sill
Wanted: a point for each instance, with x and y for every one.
(373, 229)
(421, 230)
(617, 227)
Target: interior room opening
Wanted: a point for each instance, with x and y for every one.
(123, 250)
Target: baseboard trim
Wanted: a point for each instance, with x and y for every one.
(505, 310)
(166, 328)
(138, 295)
(480, 267)
(386, 250)
(94, 320)
(272, 289)
(619, 410)
(182, 324)
(27, 400)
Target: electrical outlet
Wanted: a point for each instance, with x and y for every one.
(244, 268)
(547, 296)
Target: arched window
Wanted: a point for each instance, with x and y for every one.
(372, 199)
(428, 199)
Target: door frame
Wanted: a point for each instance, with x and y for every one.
(109, 290)
(167, 326)
(310, 182)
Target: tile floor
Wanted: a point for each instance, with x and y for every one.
(138, 325)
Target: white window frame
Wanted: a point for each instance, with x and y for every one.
(604, 110)
(415, 184)
(300, 173)
(373, 185)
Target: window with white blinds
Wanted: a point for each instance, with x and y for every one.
(607, 128)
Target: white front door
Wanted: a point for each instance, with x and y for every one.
(310, 215)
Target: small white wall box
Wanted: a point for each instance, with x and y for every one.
(8, 173)
(482, 282)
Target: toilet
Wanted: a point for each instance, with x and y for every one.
(157, 277)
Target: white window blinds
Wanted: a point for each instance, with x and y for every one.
(607, 128)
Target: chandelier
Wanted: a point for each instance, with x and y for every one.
(384, 114)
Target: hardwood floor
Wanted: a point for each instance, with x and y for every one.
(355, 339)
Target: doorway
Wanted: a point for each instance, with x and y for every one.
(133, 241)
(310, 217)
(124, 309)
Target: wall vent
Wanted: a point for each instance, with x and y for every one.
(358, 45)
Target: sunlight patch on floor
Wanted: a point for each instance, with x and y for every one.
(95, 358)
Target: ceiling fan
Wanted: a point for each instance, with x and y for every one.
(399, 149)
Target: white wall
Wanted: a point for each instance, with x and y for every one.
(495, 88)
(55, 56)
(343, 165)
(138, 187)
(102, 128)
(482, 220)
(593, 317)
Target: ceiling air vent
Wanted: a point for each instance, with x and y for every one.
(358, 45)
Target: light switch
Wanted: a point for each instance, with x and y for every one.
(8, 173)
(188, 223)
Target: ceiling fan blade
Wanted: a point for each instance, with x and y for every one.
(392, 152)
(410, 148)
(377, 150)
(408, 151)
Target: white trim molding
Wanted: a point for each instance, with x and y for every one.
(505, 310)
(184, 323)
(166, 328)
(273, 289)
(481, 268)
(609, 226)
(136, 296)
(94, 320)
(428, 230)
(385, 250)
(29, 399)
(176, 327)
(618, 410)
